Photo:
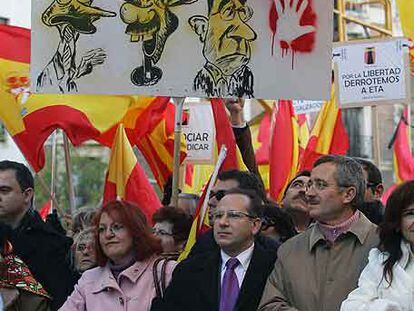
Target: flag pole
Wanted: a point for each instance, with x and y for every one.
(68, 163)
(179, 103)
(53, 169)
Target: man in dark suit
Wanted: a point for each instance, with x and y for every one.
(231, 277)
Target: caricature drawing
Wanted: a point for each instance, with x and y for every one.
(71, 18)
(227, 38)
(152, 22)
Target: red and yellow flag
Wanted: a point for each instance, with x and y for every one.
(31, 118)
(406, 9)
(284, 148)
(126, 179)
(402, 156)
(328, 135)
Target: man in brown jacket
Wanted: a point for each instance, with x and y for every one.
(317, 269)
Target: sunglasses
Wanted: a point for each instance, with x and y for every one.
(219, 194)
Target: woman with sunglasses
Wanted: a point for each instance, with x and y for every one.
(387, 282)
(127, 257)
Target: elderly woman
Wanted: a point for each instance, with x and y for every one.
(387, 282)
(84, 250)
(127, 257)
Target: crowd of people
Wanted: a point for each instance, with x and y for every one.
(318, 250)
(329, 245)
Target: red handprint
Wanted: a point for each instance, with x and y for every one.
(293, 25)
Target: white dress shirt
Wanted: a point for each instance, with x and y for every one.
(244, 259)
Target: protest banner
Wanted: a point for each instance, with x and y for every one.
(183, 48)
(199, 132)
(372, 72)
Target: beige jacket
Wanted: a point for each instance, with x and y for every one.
(310, 275)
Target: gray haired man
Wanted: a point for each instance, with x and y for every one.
(318, 268)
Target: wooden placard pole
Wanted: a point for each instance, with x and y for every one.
(69, 174)
(53, 169)
(179, 103)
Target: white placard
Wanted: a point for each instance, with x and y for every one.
(199, 132)
(183, 48)
(306, 106)
(371, 72)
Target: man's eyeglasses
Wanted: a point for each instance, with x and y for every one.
(228, 14)
(267, 223)
(231, 215)
(219, 194)
(160, 232)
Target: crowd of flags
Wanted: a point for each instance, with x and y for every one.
(283, 143)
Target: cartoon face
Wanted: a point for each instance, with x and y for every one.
(152, 22)
(77, 13)
(226, 34)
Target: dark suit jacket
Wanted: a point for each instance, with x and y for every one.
(195, 283)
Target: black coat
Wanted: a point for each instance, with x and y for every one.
(195, 283)
(206, 243)
(46, 253)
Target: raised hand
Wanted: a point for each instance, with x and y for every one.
(89, 60)
(288, 23)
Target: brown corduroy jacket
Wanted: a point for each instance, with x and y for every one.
(311, 275)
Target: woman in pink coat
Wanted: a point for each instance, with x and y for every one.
(126, 253)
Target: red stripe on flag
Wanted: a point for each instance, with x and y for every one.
(224, 134)
(41, 123)
(281, 149)
(15, 43)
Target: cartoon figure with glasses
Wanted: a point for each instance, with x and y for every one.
(226, 38)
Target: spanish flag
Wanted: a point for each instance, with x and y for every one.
(126, 179)
(261, 135)
(328, 135)
(284, 148)
(402, 156)
(31, 118)
(406, 9)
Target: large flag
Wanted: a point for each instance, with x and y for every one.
(284, 148)
(31, 118)
(402, 156)
(328, 135)
(126, 179)
(261, 135)
(406, 9)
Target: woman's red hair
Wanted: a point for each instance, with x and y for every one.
(129, 215)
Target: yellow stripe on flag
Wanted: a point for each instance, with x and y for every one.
(122, 161)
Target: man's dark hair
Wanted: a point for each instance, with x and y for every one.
(300, 174)
(255, 207)
(374, 174)
(348, 173)
(23, 175)
(274, 216)
(373, 210)
(180, 220)
(246, 180)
